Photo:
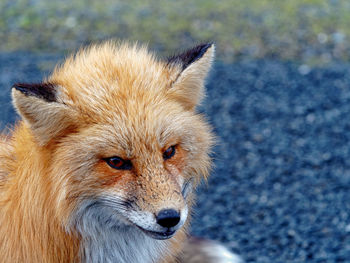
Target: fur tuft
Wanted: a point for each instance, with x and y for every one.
(206, 251)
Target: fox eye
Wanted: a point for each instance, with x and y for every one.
(169, 152)
(118, 163)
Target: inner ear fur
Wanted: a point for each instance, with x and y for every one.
(40, 107)
(191, 69)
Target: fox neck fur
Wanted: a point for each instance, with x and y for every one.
(122, 245)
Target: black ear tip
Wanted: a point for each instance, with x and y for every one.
(205, 46)
(191, 55)
(45, 91)
(200, 49)
(19, 87)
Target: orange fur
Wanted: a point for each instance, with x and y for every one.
(111, 100)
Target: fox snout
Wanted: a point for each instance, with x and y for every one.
(160, 214)
(162, 225)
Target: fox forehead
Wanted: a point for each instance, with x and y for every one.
(112, 75)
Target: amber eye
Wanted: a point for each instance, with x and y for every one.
(118, 163)
(169, 152)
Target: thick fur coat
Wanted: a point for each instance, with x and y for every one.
(106, 144)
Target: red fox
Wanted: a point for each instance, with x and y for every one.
(103, 165)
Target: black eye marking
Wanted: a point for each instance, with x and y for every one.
(118, 163)
(169, 152)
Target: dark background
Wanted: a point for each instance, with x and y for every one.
(278, 98)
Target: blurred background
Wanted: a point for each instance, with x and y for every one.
(312, 31)
(278, 98)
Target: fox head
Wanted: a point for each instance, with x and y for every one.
(125, 144)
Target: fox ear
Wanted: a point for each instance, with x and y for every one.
(190, 70)
(41, 109)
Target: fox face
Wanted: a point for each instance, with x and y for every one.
(124, 145)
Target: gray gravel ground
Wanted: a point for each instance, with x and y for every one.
(280, 188)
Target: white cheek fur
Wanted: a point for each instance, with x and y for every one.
(109, 237)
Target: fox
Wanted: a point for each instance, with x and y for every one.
(104, 163)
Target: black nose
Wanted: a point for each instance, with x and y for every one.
(168, 218)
